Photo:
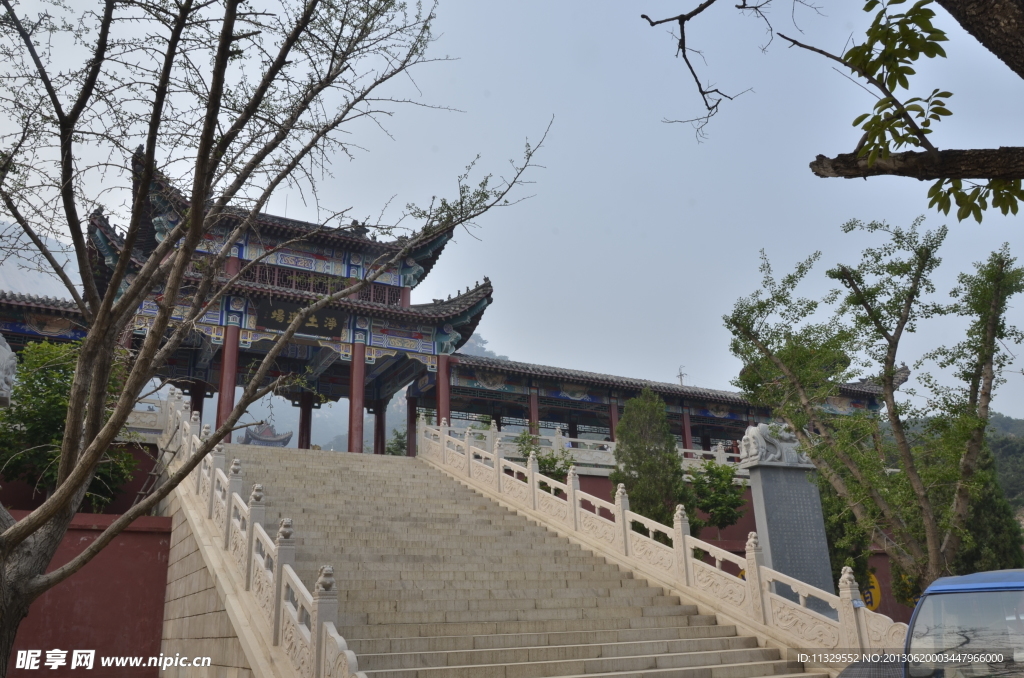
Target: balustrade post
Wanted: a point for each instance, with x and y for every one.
(194, 424)
(421, 427)
(325, 609)
(557, 444)
(680, 531)
(285, 556)
(492, 436)
(257, 515)
(216, 462)
(234, 487)
(621, 507)
(755, 589)
(532, 471)
(851, 609)
(469, 454)
(572, 483)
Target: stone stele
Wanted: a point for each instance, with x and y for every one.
(787, 507)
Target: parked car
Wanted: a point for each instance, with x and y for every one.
(969, 626)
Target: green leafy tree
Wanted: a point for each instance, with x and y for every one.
(397, 445)
(554, 464)
(1008, 451)
(897, 134)
(31, 429)
(911, 470)
(648, 463)
(717, 495)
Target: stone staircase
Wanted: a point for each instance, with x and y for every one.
(435, 580)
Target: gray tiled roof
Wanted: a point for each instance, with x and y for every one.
(55, 303)
(598, 379)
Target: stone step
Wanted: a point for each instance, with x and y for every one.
(532, 603)
(510, 640)
(516, 627)
(725, 664)
(558, 653)
(517, 592)
(436, 580)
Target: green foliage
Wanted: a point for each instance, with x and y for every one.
(397, 446)
(849, 545)
(717, 495)
(896, 471)
(893, 43)
(648, 464)
(32, 428)
(1008, 452)
(554, 464)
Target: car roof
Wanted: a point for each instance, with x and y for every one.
(998, 580)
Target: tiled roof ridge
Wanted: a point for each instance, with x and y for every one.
(598, 377)
(45, 301)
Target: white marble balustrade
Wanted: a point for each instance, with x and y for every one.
(300, 623)
(695, 569)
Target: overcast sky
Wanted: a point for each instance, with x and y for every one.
(638, 238)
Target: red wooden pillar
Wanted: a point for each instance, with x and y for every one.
(443, 390)
(613, 417)
(410, 425)
(406, 297)
(574, 429)
(534, 411)
(380, 426)
(687, 433)
(305, 419)
(356, 386)
(228, 362)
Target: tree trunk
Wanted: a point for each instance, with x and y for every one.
(996, 24)
(13, 608)
(999, 163)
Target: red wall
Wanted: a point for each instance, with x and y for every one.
(114, 605)
(17, 494)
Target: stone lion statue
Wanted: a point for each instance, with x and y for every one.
(8, 366)
(760, 444)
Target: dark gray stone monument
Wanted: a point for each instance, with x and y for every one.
(787, 509)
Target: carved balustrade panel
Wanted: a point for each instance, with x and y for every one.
(552, 506)
(651, 552)
(883, 632)
(596, 527)
(485, 474)
(720, 585)
(338, 660)
(812, 629)
(296, 612)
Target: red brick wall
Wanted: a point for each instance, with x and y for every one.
(113, 605)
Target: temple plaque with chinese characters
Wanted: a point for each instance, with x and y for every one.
(274, 314)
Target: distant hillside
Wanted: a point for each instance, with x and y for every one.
(1006, 440)
(1007, 425)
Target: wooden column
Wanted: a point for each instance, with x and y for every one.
(356, 386)
(305, 419)
(410, 425)
(406, 296)
(228, 362)
(534, 411)
(380, 426)
(613, 417)
(574, 429)
(687, 432)
(443, 389)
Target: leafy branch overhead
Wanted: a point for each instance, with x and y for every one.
(897, 133)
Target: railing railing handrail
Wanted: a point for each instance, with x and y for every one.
(301, 622)
(749, 600)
